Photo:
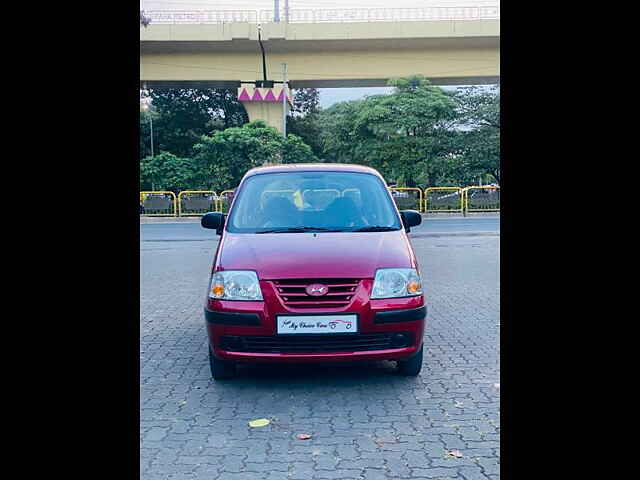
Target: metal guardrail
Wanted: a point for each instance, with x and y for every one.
(432, 200)
(158, 204)
(482, 199)
(466, 12)
(224, 202)
(411, 201)
(436, 199)
(196, 202)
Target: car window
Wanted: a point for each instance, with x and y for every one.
(337, 201)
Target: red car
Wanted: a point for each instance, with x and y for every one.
(314, 265)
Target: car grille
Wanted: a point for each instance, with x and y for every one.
(293, 293)
(318, 343)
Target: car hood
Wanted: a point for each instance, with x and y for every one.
(315, 255)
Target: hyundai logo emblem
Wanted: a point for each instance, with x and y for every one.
(317, 290)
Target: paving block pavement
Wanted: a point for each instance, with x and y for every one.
(367, 422)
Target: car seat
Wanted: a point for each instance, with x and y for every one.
(280, 212)
(343, 212)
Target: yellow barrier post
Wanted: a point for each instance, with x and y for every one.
(220, 199)
(145, 195)
(489, 189)
(458, 190)
(188, 192)
(420, 209)
(464, 201)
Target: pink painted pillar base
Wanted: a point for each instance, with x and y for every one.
(265, 103)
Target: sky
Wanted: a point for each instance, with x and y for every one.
(328, 96)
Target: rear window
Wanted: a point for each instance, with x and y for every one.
(335, 201)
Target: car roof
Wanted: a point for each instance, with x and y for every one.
(313, 167)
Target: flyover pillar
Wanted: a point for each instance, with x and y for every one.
(265, 103)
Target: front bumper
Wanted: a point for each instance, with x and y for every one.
(237, 320)
(253, 319)
(389, 354)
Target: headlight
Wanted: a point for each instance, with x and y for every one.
(396, 282)
(235, 285)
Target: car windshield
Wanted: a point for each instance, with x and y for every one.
(295, 202)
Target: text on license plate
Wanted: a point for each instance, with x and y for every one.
(317, 324)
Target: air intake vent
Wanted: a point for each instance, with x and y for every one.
(313, 343)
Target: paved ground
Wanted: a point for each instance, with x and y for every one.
(367, 423)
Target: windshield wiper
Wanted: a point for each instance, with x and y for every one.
(375, 228)
(300, 229)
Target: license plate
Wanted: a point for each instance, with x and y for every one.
(290, 324)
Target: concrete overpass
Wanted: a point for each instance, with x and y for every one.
(323, 54)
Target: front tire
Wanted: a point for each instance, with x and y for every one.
(412, 366)
(221, 370)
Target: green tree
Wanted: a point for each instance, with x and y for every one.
(145, 132)
(166, 172)
(338, 132)
(306, 101)
(182, 116)
(418, 135)
(402, 134)
(479, 120)
(222, 158)
(295, 150)
(305, 120)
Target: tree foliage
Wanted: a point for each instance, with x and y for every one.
(479, 116)
(418, 135)
(182, 116)
(305, 119)
(166, 172)
(306, 101)
(221, 159)
(402, 134)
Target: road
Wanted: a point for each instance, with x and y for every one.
(175, 232)
(366, 422)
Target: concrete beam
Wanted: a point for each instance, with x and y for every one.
(165, 37)
(346, 68)
(322, 55)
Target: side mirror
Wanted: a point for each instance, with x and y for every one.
(214, 221)
(410, 218)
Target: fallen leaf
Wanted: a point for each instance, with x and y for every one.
(454, 454)
(260, 422)
(303, 436)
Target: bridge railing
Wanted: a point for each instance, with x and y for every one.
(384, 14)
(471, 12)
(201, 16)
